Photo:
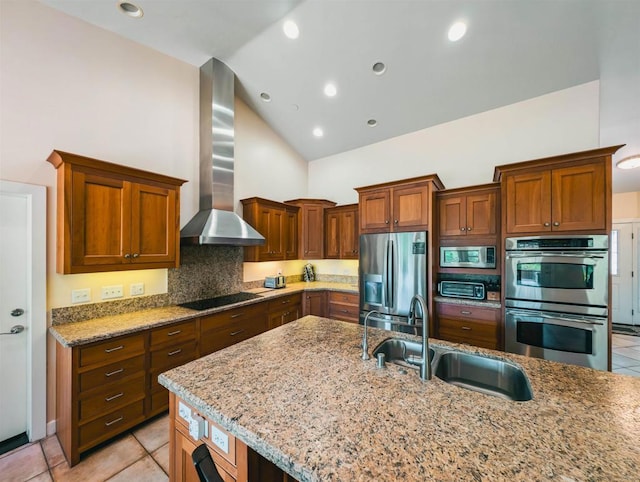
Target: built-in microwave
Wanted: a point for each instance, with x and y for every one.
(467, 256)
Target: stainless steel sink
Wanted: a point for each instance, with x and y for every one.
(485, 375)
(397, 349)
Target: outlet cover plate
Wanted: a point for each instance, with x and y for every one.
(110, 292)
(136, 289)
(81, 296)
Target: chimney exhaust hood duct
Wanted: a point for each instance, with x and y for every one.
(216, 223)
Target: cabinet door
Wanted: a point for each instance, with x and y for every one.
(100, 220)
(481, 214)
(349, 239)
(453, 212)
(153, 224)
(315, 303)
(375, 211)
(578, 201)
(410, 208)
(528, 202)
(312, 232)
(183, 468)
(332, 235)
(291, 235)
(271, 224)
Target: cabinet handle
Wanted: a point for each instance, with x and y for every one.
(556, 223)
(285, 301)
(108, 424)
(127, 255)
(115, 372)
(109, 399)
(234, 333)
(135, 255)
(345, 311)
(171, 333)
(547, 224)
(306, 252)
(236, 315)
(468, 229)
(466, 328)
(464, 312)
(175, 352)
(109, 350)
(463, 228)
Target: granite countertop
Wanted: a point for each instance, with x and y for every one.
(309, 403)
(467, 302)
(83, 332)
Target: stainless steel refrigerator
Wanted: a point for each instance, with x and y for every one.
(393, 268)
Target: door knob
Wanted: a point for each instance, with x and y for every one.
(17, 312)
(14, 330)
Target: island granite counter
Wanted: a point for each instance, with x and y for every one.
(302, 397)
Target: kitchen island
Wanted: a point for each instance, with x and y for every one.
(301, 397)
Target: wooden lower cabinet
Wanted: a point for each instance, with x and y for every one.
(229, 327)
(344, 306)
(237, 463)
(283, 310)
(478, 326)
(314, 303)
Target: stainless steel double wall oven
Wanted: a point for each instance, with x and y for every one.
(556, 298)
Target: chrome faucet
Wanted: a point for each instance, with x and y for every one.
(423, 362)
(365, 345)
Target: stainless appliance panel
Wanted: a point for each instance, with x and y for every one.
(468, 256)
(575, 339)
(575, 242)
(392, 268)
(579, 277)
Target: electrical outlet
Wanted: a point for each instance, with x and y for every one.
(136, 289)
(81, 296)
(184, 411)
(220, 438)
(109, 292)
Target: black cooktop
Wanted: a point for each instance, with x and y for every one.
(219, 301)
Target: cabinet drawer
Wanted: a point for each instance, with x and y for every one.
(111, 424)
(115, 372)
(117, 396)
(173, 356)
(466, 312)
(340, 311)
(341, 297)
(159, 400)
(232, 317)
(174, 333)
(112, 350)
(284, 301)
(230, 334)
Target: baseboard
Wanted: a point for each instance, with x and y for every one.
(51, 427)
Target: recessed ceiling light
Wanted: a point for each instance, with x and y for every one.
(372, 122)
(330, 90)
(290, 29)
(265, 97)
(457, 31)
(130, 9)
(318, 132)
(379, 68)
(629, 162)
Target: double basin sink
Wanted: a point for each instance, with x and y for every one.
(472, 371)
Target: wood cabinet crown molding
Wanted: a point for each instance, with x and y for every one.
(112, 217)
(438, 185)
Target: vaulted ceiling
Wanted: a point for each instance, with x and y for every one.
(512, 51)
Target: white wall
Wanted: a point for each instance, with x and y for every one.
(626, 205)
(464, 152)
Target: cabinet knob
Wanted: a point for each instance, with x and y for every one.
(135, 255)
(468, 229)
(127, 255)
(556, 223)
(386, 221)
(463, 228)
(547, 225)
(395, 221)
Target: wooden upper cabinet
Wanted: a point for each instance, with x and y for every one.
(311, 226)
(111, 217)
(341, 232)
(557, 194)
(277, 223)
(397, 206)
(468, 212)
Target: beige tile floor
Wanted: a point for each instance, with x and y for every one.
(143, 454)
(139, 455)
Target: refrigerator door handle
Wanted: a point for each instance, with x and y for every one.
(391, 281)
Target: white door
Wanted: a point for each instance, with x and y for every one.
(623, 273)
(13, 303)
(22, 310)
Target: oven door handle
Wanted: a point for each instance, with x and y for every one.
(537, 254)
(586, 320)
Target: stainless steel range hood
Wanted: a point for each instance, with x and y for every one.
(216, 223)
